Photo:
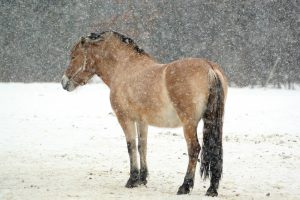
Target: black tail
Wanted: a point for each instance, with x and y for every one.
(212, 150)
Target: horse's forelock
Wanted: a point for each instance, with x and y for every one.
(94, 36)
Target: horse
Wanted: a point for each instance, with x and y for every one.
(145, 92)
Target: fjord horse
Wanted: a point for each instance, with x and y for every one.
(144, 92)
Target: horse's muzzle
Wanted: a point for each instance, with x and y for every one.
(67, 84)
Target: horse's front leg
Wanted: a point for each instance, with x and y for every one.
(142, 130)
(190, 134)
(129, 129)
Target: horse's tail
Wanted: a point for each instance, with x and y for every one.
(212, 150)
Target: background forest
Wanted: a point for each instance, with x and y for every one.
(256, 42)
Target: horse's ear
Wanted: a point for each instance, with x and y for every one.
(82, 40)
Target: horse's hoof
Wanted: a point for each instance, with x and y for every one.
(212, 192)
(143, 176)
(184, 189)
(143, 182)
(131, 183)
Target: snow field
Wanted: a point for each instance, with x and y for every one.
(60, 145)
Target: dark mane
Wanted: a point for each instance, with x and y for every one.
(123, 38)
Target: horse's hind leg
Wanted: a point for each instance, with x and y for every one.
(190, 134)
(142, 147)
(129, 129)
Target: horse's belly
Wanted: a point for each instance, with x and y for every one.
(165, 117)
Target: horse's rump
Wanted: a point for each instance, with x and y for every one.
(187, 82)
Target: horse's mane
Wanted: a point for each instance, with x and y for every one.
(121, 37)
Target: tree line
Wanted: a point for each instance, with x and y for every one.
(256, 42)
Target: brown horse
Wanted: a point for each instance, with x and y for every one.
(144, 92)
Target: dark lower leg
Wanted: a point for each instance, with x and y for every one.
(214, 184)
(193, 151)
(216, 171)
(143, 176)
(188, 182)
(133, 180)
(187, 185)
(142, 147)
(130, 134)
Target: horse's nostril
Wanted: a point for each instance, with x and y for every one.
(65, 85)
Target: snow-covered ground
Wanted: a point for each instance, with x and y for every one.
(60, 145)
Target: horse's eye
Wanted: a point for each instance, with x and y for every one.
(73, 57)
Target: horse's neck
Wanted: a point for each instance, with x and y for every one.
(119, 64)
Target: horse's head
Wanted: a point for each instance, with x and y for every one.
(81, 67)
(98, 54)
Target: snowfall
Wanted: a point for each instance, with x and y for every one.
(60, 145)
